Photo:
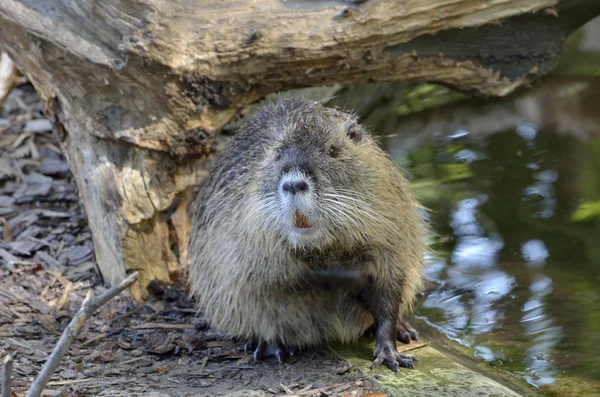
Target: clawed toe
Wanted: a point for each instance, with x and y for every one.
(393, 359)
(279, 356)
(261, 348)
(405, 333)
(264, 349)
(249, 346)
(406, 361)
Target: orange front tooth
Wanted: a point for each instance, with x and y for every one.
(301, 221)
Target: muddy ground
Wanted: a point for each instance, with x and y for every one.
(161, 348)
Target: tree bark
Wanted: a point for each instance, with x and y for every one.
(139, 89)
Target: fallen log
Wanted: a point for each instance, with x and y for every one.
(138, 90)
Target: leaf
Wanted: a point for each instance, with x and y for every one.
(586, 211)
(453, 172)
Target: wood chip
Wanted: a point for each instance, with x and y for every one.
(159, 343)
(39, 125)
(286, 389)
(35, 178)
(50, 262)
(79, 254)
(50, 166)
(7, 256)
(6, 201)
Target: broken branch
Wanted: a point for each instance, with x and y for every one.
(6, 375)
(88, 307)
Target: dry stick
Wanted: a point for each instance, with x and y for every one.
(313, 391)
(6, 375)
(88, 307)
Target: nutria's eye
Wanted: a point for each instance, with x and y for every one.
(334, 151)
(278, 156)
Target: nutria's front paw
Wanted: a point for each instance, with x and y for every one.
(265, 349)
(405, 333)
(387, 354)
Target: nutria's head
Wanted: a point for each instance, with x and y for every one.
(313, 185)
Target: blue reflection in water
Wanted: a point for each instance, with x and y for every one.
(534, 252)
(474, 291)
(544, 189)
(540, 326)
(526, 130)
(475, 273)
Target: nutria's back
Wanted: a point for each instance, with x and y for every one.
(301, 203)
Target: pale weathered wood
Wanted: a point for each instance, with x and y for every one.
(9, 76)
(139, 89)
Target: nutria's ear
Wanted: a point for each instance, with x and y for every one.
(354, 132)
(352, 129)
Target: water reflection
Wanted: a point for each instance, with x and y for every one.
(534, 252)
(526, 130)
(543, 189)
(545, 334)
(473, 282)
(513, 209)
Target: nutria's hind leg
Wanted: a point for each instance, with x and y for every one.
(405, 333)
(263, 349)
(383, 301)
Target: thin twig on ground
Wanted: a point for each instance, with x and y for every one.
(314, 391)
(88, 307)
(412, 346)
(164, 326)
(7, 367)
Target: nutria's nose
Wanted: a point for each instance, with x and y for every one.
(294, 187)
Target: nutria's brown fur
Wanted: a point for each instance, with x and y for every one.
(305, 232)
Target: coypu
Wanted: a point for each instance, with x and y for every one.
(305, 232)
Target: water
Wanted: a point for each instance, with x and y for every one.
(513, 188)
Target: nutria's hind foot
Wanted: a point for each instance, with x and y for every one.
(405, 333)
(385, 353)
(263, 349)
